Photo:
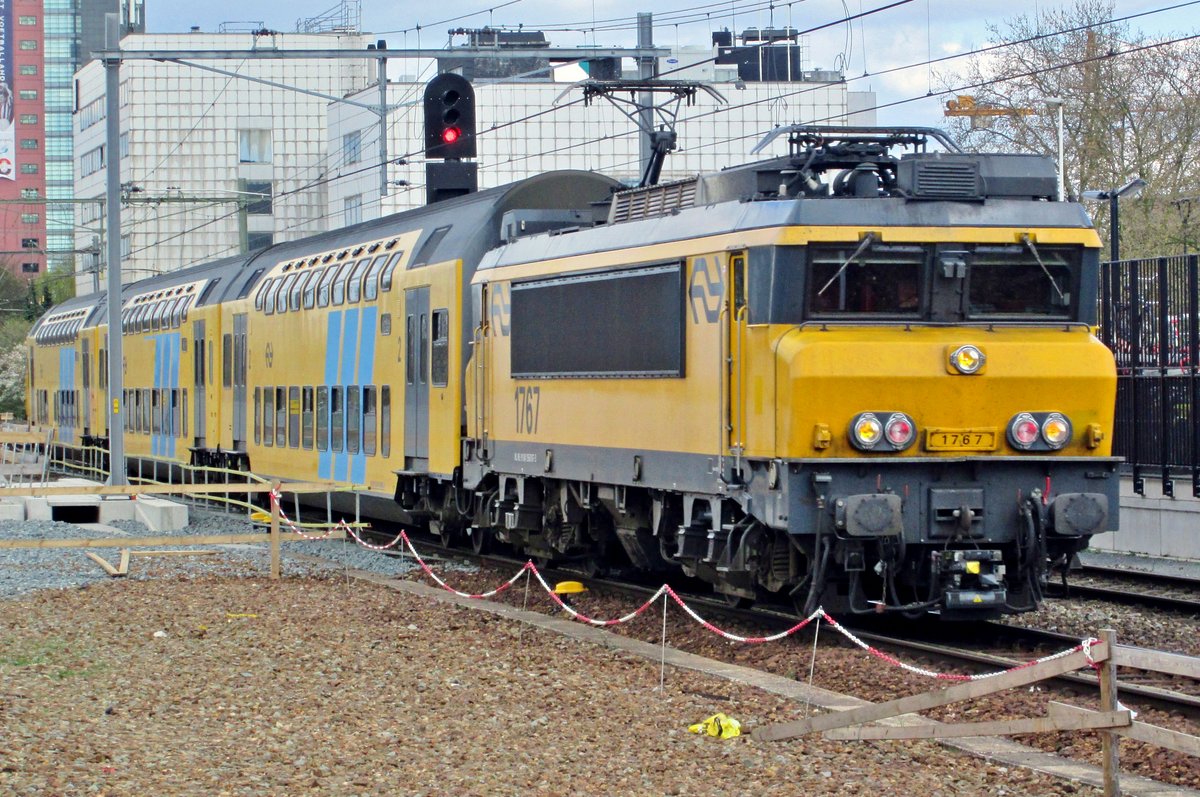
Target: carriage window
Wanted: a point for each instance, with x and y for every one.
(268, 416)
(187, 303)
(336, 421)
(306, 418)
(338, 288)
(281, 302)
(269, 303)
(385, 420)
(281, 417)
(371, 284)
(864, 279)
(146, 410)
(353, 419)
(385, 280)
(227, 360)
(177, 311)
(310, 289)
(294, 295)
(257, 415)
(440, 356)
(369, 421)
(261, 297)
(323, 289)
(1019, 281)
(293, 417)
(322, 419)
(175, 412)
(354, 284)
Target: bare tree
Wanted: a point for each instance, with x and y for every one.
(1129, 106)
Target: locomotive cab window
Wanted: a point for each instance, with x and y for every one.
(860, 279)
(1022, 281)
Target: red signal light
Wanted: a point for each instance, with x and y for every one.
(450, 135)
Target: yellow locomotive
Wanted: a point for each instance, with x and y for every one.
(856, 375)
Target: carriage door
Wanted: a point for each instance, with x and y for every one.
(239, 382)
(734, 332)
(199, 370)
(416, 377)
(86, 396)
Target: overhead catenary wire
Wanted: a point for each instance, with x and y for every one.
(896, 103)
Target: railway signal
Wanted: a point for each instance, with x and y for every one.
(449, 118)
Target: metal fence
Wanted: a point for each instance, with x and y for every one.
(1148, 312)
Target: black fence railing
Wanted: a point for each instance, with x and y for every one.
(1148, 312)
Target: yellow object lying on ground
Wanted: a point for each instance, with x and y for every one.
(718, 725)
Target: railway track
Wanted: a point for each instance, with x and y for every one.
(996, 646)
(1132, 588)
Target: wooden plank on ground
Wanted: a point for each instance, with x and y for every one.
(1105, 719)
(100, 560)
(165, 539)
(123, 567)
(1141, 731)
(168, 489)
(928, 700)
(1157, 660)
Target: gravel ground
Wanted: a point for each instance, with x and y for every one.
(310, 684)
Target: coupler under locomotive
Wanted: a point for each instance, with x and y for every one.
(933, 539)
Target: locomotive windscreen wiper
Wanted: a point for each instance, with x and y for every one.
(1032, 248)
(863, 246)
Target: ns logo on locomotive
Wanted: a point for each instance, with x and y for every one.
(862, 375)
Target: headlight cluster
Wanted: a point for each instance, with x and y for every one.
(869, 433)
(1039, 431)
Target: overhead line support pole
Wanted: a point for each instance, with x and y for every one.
(383, 119)
(115, 412)
(647, 67)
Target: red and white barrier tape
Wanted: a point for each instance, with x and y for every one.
(275, 496)
(665, 589)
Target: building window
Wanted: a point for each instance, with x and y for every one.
(29, 193)
(259, 240)
(30, 243)
(29, 69)
(29, 143)
(353, 214)
(29, 118)
(28, 44)
(30, 218)
(91, 161)
(28, 94)
(258, 196)
(30, 268)
(254, 146)
(352, 147)
(29, 168)
(24, 20)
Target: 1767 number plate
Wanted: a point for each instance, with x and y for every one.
(960, 439)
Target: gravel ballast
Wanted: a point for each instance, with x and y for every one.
(243, 686)
(222, 652)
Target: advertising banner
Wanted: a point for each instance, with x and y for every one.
(8, 135)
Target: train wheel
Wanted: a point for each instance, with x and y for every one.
(481, 540)
(737, 601)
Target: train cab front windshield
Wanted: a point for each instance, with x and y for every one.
(948, 284)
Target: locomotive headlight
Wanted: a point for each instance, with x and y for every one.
(1056, 430)
(967, 359)
(900, 430)
(1023, 430)
(867, 430)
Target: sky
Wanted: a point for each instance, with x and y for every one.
(909, 33)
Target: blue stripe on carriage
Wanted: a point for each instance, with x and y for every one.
(333, 336)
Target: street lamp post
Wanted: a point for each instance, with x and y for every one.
(1113, 196)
